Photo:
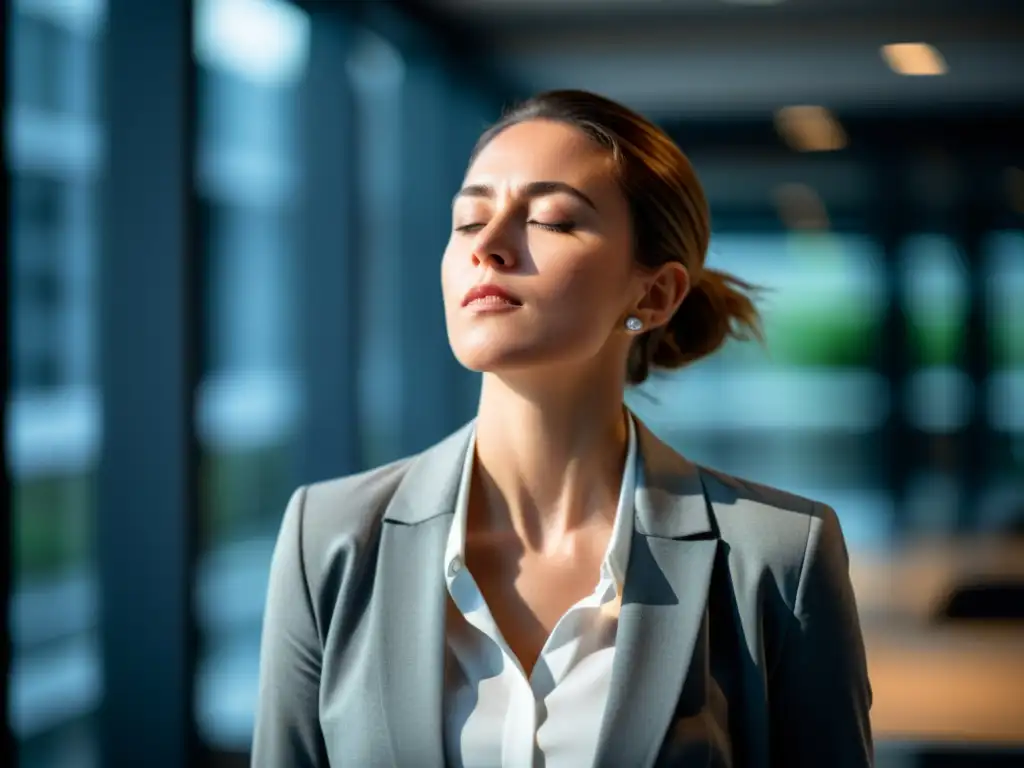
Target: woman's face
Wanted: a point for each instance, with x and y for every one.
(541, 218)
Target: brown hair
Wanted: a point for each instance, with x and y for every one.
(671, 222)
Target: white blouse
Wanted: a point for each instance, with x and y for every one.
(496, 716)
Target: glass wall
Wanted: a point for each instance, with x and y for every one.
(938, 396)
(55, 149)
(252, 56)
(1003, 506)
(377, 73)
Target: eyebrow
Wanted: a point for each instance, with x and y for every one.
(533, 189)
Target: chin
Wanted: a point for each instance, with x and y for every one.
(495, 358)
(508, 355)
(489, 349)
(497, 347)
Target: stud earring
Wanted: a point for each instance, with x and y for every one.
(634, 323)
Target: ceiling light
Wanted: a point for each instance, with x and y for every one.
(915, 59)
(810, 129)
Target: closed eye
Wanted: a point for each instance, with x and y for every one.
(559, 226)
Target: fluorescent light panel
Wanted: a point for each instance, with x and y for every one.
(914, 59)
(808, 128)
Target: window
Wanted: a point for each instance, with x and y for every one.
(377, 73)
(934, 285)
(252, 55)
(53, 437)
(938, 397)
(1004, 277)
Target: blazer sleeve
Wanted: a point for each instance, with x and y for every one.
(287, 730)
(820, 695)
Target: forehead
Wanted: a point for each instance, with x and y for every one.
(543, 149)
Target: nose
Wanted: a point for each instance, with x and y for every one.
(495, 247)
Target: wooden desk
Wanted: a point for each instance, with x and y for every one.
(940, 682)
(951, 684)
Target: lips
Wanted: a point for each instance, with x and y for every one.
(489, 294)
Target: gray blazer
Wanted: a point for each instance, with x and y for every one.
(738, 640)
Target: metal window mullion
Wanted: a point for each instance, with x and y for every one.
(902, 444)
(975, 218)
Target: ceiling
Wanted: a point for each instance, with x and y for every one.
(728, 58)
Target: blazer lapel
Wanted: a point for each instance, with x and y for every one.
(663, 606)
(410, 600)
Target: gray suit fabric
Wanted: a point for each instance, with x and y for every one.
(738, 643)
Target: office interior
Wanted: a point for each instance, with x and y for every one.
(225, 226)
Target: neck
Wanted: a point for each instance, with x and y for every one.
(549, 461)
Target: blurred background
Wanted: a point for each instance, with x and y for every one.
(224, 230)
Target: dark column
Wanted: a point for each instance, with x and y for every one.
(149, 327)
(901, 444)
(975, 214)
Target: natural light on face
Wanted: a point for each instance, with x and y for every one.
(540, 215)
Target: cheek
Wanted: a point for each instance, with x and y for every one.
(591, 285)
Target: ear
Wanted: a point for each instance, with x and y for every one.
(664, 290)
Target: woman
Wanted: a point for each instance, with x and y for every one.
(442, 610)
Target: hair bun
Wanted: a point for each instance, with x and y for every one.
(718, 306)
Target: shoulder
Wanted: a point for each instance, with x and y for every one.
(760, 527)
(341, 519)
(771, 530)
(743, 504)
(327, 527)
(338, 521)
(351, 504)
